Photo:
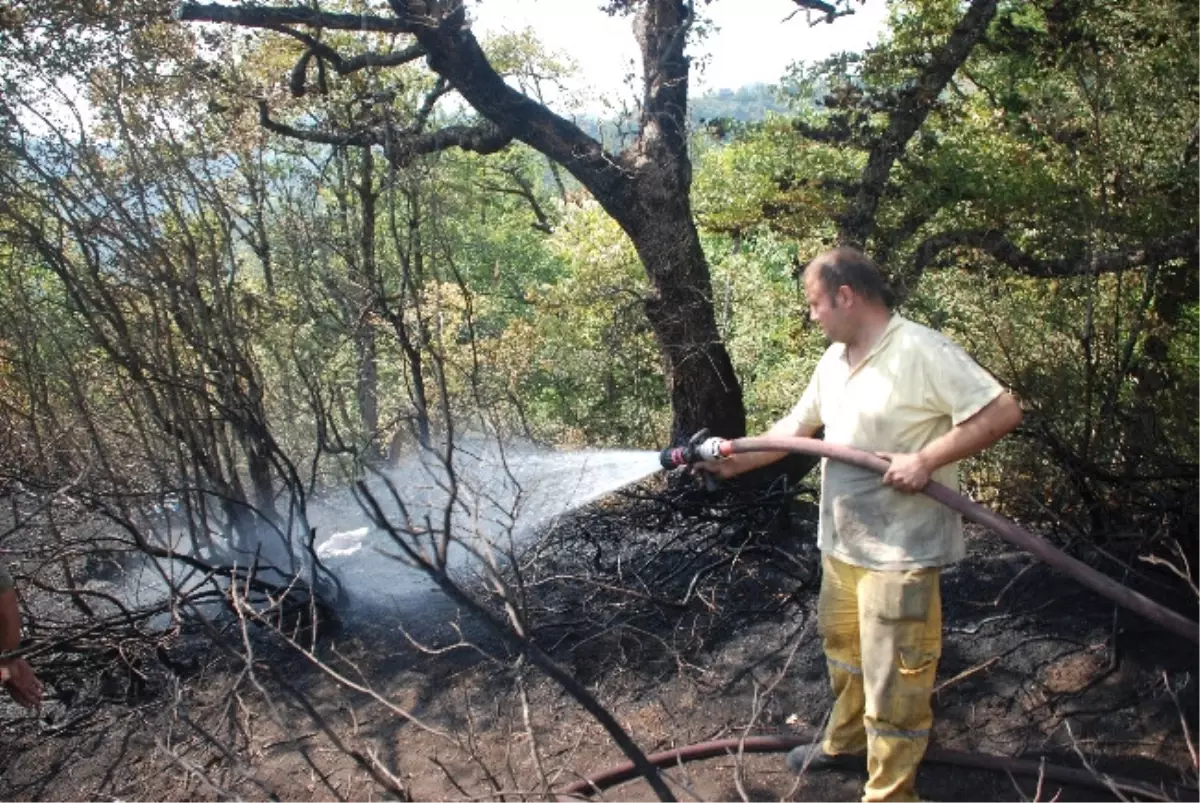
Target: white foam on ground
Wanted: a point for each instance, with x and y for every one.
(340, 545)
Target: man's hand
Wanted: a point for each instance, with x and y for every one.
(721, 469)
(20, 682)
(907, 472)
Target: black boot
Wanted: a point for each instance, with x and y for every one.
(812, 757)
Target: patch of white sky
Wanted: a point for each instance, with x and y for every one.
(747, 42)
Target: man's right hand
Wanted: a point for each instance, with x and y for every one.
(20, 682)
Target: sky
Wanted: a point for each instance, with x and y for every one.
(750, 43)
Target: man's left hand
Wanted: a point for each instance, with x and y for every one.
(907, 472)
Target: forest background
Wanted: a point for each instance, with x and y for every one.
(252, 254)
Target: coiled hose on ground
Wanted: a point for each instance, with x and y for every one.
(1007, 530)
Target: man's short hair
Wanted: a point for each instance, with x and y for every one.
(854, 269)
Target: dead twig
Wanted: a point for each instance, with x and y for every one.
(1087, 765)
(1187, 734)
(1184, 573)
(756, 709)
(966, 673)
(1041, 782)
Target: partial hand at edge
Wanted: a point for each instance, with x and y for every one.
(21, 683)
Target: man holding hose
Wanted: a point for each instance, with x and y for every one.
(907, 393)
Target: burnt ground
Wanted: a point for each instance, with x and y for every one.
(689, 622)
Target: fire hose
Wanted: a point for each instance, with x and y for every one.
(700, 448)
(585, 787)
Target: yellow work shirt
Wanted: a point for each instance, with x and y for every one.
(913, 386)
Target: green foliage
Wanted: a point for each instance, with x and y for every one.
(583, 363)
(769, 178)
(353, 287)
(764, 322)
(1071, 133)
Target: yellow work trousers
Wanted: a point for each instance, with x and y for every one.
(883, 637)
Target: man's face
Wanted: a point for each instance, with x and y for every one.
(824, 308)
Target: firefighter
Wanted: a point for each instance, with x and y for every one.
(915, 398)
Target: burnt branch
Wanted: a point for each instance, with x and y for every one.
(829, 11)
(816, 5)
(393, 58)
(455, 55)
(483, 138)
(906, 119)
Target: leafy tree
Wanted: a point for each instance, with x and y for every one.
(1044, 212)
(645, 188)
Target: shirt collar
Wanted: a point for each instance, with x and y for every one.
(881, 341)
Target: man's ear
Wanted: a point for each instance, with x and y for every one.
(845, 296)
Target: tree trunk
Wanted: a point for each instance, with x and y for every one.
(703, 387)
(645, 189)
(656, 213)
(364, 331)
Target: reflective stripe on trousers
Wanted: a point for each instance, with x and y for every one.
(883, 637)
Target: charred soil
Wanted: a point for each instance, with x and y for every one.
(688, 620)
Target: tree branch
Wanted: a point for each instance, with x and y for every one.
(455, 54)
(271, 17)
(994, 243)
(341, 66)
(422, 116)
(905, 120)
(344, 66)
(393, 58)
(523, 189)
(363, 137)
(483, 138)
(817, 5)
(400, 147)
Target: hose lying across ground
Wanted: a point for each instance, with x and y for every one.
(1012, 533)
(938, 755)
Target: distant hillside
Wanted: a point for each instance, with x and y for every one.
(746, 104)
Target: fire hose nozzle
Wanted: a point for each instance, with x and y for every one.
(698, 448)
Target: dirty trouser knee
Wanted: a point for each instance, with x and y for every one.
(837, 619)
(882, 636)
